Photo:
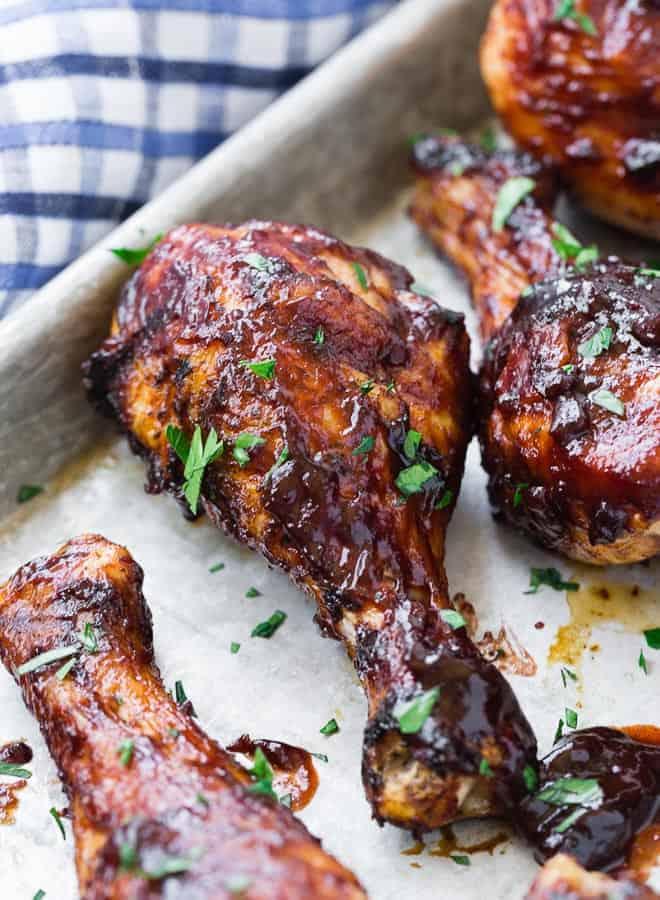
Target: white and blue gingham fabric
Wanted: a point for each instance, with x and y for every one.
(103, 103)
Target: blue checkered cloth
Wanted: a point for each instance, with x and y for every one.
(103, 103)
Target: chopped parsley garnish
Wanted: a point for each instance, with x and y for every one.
(43, 659)
(453, 618)
(641, 662)
(319, 336)
(411, 443)
(330, 727)
(550, 577)
(366, 445)
(320, 756)
(169, 865)
(234, 647)
(88, 638)
(268, 628)
(652, 636)
(39, 895)
(445, 500)
(264, 368)
(585, 793)
(566, 10)
(64, 670)
(412, 714)
(256, 261)
(252, 592)
(607, 400)
(571, 717)
(488, 138)
(281, 459)
(596, 344)
(412, 479)
(569, 248)
(559, 731)
(518, 493)
(200, 798)
(572, 791)
(138, 255)
(531, 778)
(242, 444)
(361, 275)
(568, 368)
(14, 770)
(566, 673)
(58, 821)
(456, 168)
(27, 492)
(125, 751)
(460, 859)
(513, 191)
(485, 769)
(173, 732)
(391, 387)
(195, 456)
(367, 386)
(216, 567)
(237, 884)
(262, 773)
(180, 695)
(417, 288)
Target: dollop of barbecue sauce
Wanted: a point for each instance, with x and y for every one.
(601, 835)
(293, 768)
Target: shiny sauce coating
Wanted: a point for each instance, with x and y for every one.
(601, 835)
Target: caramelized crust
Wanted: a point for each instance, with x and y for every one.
(590, 103)
(561, 878)
(591, 476)
(456, 188)
(210, 297)
(580, 478)
(179, 795)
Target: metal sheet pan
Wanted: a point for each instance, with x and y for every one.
(332, 152)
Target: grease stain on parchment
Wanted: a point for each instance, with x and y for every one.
(633, 608)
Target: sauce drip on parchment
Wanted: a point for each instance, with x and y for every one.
(293, 768)
(17, 753)
(449, 844)
(631, 607)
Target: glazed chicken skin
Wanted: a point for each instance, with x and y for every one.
(569, 418)
(582, 91)
(456, 187)
(370, 396)
(561, 877)
(159, 809)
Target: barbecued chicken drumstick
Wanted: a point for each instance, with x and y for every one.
(582, 90)
(357, 395)
(159, 809)
(454, 202)
(563, 877)
(570, 384)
